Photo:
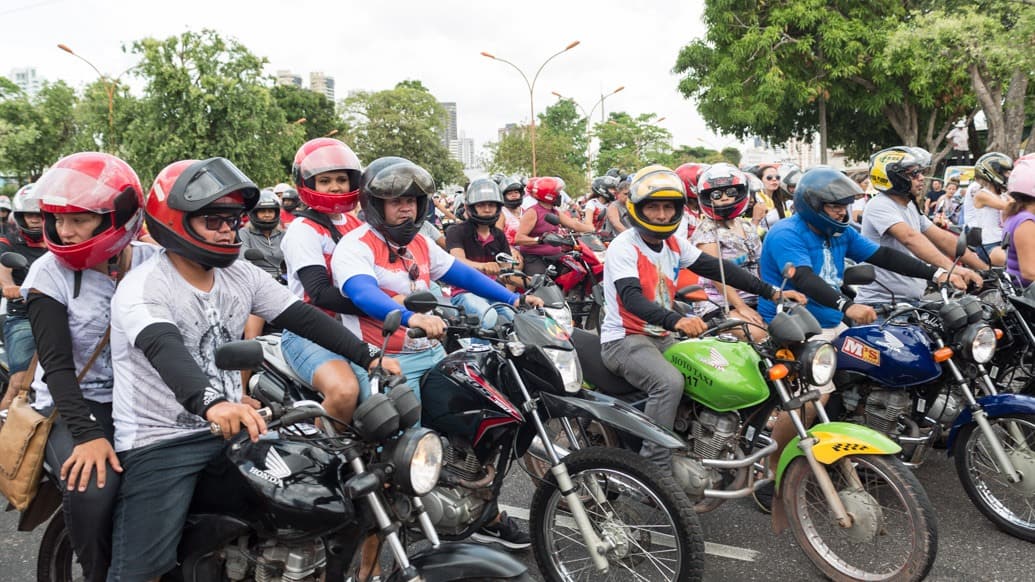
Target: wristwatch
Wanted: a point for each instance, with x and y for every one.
(941, 271)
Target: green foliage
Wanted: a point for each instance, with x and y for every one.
(318, 113)
(631, 143)
(563, 120)
(513, 155)
(406, 121)
(35, 133)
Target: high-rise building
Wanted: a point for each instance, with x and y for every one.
(320, 83)
(449, 133)
(508, 129)
(285, 77)
(462, 150)
(27, 80)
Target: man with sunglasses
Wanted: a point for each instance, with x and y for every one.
(893, 219)
(169, 315)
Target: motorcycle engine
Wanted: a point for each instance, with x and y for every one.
(884, 408)
(276, 561)
(462, 492)
(712, 431)
(944, 409)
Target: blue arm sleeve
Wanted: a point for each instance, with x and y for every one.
(366, 295)
(466, 277)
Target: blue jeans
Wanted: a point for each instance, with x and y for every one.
(305, 357)
(18, 342)
(413, 366)
(475, 305)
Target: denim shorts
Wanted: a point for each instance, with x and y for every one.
(413, 365)
(18, 342)
(305, 357)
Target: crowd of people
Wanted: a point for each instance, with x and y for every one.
(127, 296)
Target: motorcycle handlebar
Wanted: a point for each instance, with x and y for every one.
(267, 414)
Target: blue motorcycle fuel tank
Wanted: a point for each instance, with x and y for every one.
(897, 355)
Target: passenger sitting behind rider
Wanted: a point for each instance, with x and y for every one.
(168, 317)
(639, 288)
(547, 193)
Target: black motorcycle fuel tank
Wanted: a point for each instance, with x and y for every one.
(459, 400)
(283, 488)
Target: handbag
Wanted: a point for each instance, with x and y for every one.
(23, 436)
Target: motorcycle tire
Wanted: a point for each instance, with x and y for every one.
(894, 535)
(588, 433)
(56, 558)
(642, 548)
(1005, 504)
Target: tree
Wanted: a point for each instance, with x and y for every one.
(731, 155)
(406, 121)
(206, 96)
(563, 120)
(36, 132)
(513, 155)
(315, 108)
(631, 143)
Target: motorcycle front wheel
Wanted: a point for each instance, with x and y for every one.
(1007, 505)
(893, 535)
(638, 508)
(56, 560)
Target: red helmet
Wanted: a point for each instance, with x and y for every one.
(186, 187)
(97, 183)
(719, 179)
(320, 155)
(545, 189)
(690, 173)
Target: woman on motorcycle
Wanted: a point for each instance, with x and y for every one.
(602, 192)
(92, 210)
(1019, 225)
(726, 233)
(991, 171)
(689, 173)
(547, 193)
(513, 191)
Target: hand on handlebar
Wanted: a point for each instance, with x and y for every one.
(434, 327)
(491, 268)
(390, 365)
(968, 277)
(861, 314)
(691, 326)
(231, 417)
(530, 300)
(794, 296)
(12, 291)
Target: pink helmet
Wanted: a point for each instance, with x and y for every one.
(1022, 178)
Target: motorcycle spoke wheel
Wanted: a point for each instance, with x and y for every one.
(1010, 506)
(56, 561)
(894, 536)
(1019, 376)
(589, 433)
(650, 522)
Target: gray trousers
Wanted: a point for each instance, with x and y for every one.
(638, 359)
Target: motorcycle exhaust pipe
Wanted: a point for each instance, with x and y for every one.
(538, 450)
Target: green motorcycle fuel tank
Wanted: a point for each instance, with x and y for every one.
(722, 374)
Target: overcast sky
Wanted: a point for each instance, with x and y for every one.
(372, 45)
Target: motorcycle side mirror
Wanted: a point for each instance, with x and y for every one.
(553, 219)
(554, 240)
(254, 255)
(692, 293)
(239, 355)
(421, 302)
(961, 245)
(551, 271)
(506, 259)
(788, 270)
(1006, 241)
(391, 322)
(859, 275)
(13, 260)
(974, 236)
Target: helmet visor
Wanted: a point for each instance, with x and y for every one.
(207, 181)
(399, 180)
(327, 159)
(73, 190)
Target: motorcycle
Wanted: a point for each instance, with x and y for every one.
(856, 511)
(579, 270)
(922, 373)
(1012, 309)
(298, 504)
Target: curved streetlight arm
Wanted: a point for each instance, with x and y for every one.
(515, 67)
(552, 57)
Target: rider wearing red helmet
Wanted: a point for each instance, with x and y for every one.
(547, 193)
(169, 316)
(689, 173)
(92, 210)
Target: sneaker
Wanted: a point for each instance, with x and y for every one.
(506, 533)
(764, 497)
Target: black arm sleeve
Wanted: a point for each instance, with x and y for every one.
(631, 294)
(317, 283)
(901, 263)
(816, 288)
(49, 319)
(314, 325)
(163, 346)
(708, 266)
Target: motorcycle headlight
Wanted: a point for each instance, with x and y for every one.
(819, 362)
(567, 363)
(562, 315)
(978, 343)
(417, 458)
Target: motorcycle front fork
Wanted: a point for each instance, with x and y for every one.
(596, 547)
(981, 418)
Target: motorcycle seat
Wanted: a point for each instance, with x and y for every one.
(587, 345)
(273, 356)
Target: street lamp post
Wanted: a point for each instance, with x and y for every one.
(531, 88)
(109, 87)
(589, 123)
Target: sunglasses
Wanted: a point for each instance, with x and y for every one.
(401, 254)
(216, 221)
(915, 174)
(722, 193)
(772, 177)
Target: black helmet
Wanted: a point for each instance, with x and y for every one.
(267, 201)
(824, 185)
(994, 167)
(605, 187)
(513, 184)
(482, 190)
(389, 178)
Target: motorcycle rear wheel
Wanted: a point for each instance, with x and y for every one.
(56, 560)
(1007, 505)
(658, 533)
(894, 536)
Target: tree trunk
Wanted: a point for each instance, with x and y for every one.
(990, 99)
(1014, 113)
(903, 119)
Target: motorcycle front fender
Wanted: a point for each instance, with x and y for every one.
(835, 440)
(612, 412)
(995, 406)
(464, 561)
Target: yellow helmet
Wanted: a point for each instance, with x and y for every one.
(650, 184)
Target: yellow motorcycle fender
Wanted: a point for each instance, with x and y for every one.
(835, 440)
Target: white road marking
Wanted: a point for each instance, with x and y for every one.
(710, 548)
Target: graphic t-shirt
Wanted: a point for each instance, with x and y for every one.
(629, 256)
(145, 409)
(739, 245)
(89, 314)
(792, 241)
